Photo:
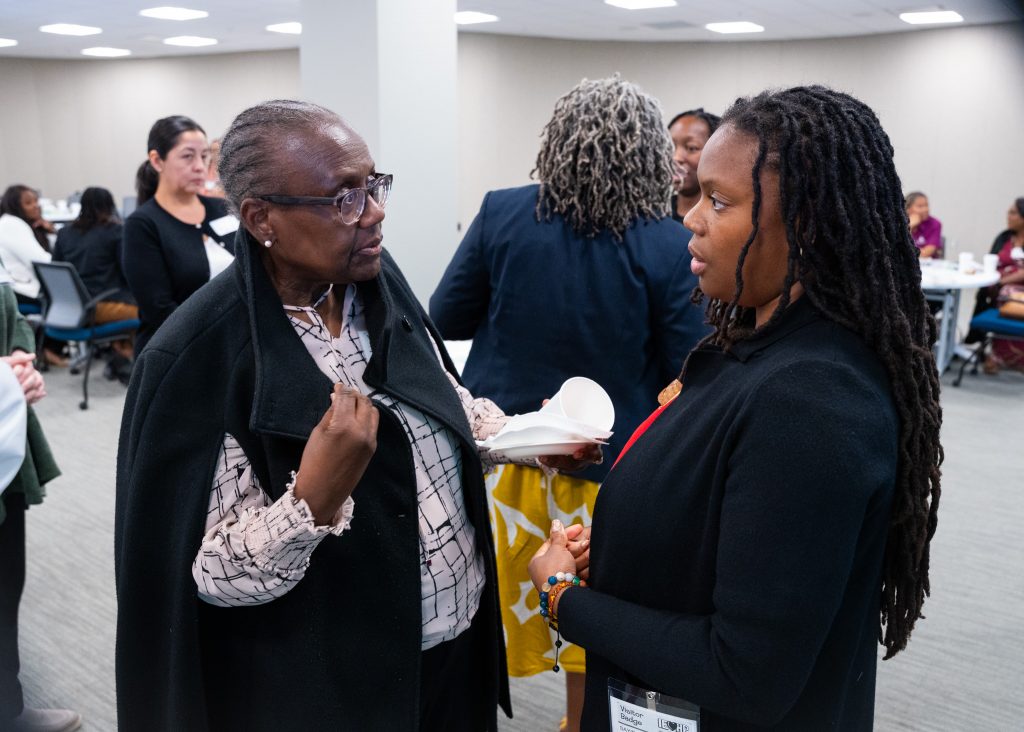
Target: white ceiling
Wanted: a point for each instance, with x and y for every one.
(239, 24)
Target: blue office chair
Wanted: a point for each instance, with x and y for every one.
(993, 326)
(70, 315)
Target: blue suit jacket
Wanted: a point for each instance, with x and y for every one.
(543, 303)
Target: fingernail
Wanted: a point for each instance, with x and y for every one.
(584, 543)
(556, 525)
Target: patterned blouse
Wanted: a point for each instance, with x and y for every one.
(255, 550)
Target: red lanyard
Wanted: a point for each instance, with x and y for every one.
(641, 429)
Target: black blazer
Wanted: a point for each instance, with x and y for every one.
(340, 651)
(165, 261)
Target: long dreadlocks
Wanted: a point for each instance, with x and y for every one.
(850, 248)
(605, 158)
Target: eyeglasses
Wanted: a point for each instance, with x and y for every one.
(351, 202)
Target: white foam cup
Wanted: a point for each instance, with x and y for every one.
(966, 262)
(991, 263)
(583, 400)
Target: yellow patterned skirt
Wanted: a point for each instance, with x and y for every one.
(523, 503)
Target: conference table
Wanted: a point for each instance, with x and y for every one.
(942, 281)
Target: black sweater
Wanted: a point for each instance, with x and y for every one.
(96, 256)
(165, 260)
(737, 547)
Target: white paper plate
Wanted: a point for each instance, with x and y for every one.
(538, 450)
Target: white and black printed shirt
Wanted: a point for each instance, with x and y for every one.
(255, 550)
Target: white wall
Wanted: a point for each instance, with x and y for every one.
(65, 125)
(950, 100)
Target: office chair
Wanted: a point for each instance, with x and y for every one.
(993, 326)
(70, 315)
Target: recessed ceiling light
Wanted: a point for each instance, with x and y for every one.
(471, 17)
(5, 42)
(70, 29)
(640, 4)
(106, 52)
(171, 13)
(740, 26)
(294, 28)
(194, 41)
(925, 17)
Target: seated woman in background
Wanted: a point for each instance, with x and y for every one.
(925, 229)
(1009, 246)
(23, 202)
(19, 245)
(176, 240)
(92, 244)
(770, 524)
(585, 274)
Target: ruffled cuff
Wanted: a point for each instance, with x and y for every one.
(282, 539)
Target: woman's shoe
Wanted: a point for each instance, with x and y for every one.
(47, 720)
(990, 366)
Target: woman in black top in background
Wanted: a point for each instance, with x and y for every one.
(771, 523)
(170, 247)
(92, 245)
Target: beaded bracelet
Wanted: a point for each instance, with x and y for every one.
(549, 594)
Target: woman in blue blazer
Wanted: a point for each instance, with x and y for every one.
(585, 274)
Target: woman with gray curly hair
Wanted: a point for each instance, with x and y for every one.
(582, 274)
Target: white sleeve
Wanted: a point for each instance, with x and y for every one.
(255, 550)
(13, 411)
(20, 243)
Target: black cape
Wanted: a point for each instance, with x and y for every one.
(340, 651)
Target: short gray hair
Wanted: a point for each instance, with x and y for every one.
(248, 150)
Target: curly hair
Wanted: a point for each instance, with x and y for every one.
(605, 158)
(850, 248)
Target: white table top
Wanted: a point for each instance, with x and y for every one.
(942, 275)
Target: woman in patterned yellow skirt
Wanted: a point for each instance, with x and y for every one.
(584, 274)
(523, 501)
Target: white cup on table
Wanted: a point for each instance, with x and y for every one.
(966, 263)
(990, 263)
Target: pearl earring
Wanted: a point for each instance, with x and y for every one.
(268, 243)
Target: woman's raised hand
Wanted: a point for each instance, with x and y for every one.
(337, 453)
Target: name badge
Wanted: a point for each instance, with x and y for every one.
(633, 709)
(224, 225)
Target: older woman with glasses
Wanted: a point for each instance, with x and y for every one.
(302, 534)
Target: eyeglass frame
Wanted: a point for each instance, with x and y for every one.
(335, 200)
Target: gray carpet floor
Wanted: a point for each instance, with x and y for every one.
(963, 670)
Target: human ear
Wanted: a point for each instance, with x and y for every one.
(255, 215)
(156, 161)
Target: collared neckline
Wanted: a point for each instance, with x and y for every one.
(797, 315)
(292, 393)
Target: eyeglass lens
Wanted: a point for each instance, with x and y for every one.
(352, 203)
